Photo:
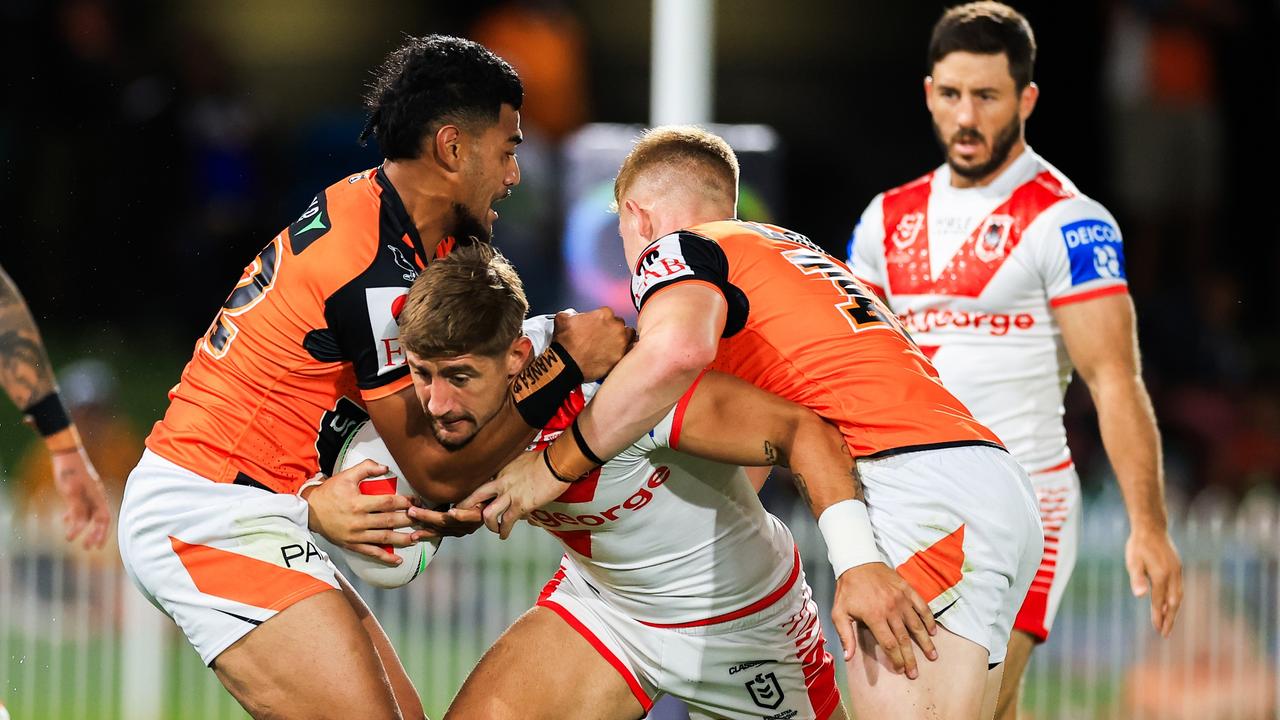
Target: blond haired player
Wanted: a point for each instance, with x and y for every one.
(1008, 276)
(945, 506)
(674, 578)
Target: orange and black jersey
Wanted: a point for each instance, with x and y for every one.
(307, 336)
(800, 326)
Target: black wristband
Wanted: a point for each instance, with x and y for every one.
(583, 447)
(48, 415)
(543, 386)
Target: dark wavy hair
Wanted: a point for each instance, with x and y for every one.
(986, 28)
(433, 80)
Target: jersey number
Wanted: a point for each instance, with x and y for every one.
(253, 285)
(860, 307)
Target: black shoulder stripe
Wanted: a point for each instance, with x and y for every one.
(311, 225)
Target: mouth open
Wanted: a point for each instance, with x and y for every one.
(967, 145)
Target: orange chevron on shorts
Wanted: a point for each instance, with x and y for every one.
(936, 568)
(244, 579)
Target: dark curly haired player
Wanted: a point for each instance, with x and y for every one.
(212, 527)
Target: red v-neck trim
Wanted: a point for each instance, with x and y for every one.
(984, 251)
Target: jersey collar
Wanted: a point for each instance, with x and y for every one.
(395, 212)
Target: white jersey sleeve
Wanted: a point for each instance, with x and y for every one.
(539, 330)
(866, 247)
(1079, 252)
(666, 434)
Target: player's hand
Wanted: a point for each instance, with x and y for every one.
(357, 522)
(77, 482)
(1155, 568)
(595, 340)
(520, 488)
(876, 597)
(449, 522)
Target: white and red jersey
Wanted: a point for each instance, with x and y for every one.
(974, 273)
(666, 538)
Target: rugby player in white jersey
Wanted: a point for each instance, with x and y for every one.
(675, 579)
(1009, 277)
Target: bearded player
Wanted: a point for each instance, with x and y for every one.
(674, 579)
(1009, 277)
(215, 524)
(945, 506)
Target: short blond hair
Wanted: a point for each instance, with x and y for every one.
(469, 302)
(691, 152)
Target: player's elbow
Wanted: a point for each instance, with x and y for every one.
(811, 436)
(676, 355)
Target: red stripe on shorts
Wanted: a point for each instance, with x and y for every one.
(599, 645)
(754, 607)
(819, 670)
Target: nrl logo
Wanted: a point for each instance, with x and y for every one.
(765, 691)
(411, 273)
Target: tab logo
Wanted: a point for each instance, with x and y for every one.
(383, 303)
(662, 261)
(1094, 251)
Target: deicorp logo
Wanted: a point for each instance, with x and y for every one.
(1094, 251)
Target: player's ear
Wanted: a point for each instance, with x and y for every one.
(1027, 100)
(928, 92)
(448, 147)
(640, 219)
(518, 355)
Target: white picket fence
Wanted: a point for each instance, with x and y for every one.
(78, 641)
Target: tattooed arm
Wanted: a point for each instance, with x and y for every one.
(767, 430)
(27, 378)
(733, 421)
(25, 372)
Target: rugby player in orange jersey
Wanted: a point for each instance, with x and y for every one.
(212, 528)
(945, 504)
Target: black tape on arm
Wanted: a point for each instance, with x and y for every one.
(48, 415)
(543, 386)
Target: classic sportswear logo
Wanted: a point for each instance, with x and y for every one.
(310, 226)
(317, 223)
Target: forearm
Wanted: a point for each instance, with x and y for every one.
(25, 372)
(637, 394)
(823, 470)
(1132, 441)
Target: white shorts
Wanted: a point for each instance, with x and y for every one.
(771, 663)
(960, 525)
(219, 559)
(1058, 491)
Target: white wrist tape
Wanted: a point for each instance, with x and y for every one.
(846, 528)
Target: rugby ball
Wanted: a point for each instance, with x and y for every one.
(364, 444)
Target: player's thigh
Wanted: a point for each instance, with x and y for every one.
(314, 659)
(406, 695)
(543, 669)
(950, 687)
(1015, 666)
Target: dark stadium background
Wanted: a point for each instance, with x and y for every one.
(150, 149)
